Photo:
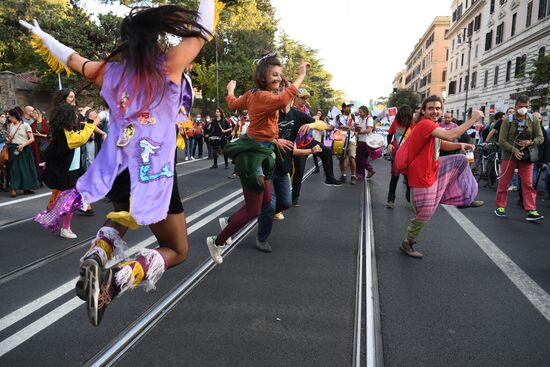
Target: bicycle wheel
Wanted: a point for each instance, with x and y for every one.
(494, 173)
(477, 166)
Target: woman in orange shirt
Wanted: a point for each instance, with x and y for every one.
(254, 152)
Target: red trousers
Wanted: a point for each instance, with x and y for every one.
(525, 171)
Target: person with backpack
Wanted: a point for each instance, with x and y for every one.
(398, 132)
(433, 179)
(519, 136)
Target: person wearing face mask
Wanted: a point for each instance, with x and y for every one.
(517, 133)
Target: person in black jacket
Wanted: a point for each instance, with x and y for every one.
(63, 156)
(290, 130)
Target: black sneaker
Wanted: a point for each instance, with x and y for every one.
(89, 266)
(295, 203)
(214, 166)
(333, 182)
(343, 179)
(533, 215)
(101, 291)
(263, 246)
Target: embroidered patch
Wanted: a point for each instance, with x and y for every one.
(148, 149)
(124, 101)
(127, 135)
(146, 119)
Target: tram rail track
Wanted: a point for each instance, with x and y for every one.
(134, 333)
(38, 263)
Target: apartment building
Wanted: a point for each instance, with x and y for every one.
(499, 38)
(427, 63)
(399, 80)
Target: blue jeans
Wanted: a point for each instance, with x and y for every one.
(280, 200)
(189, 147)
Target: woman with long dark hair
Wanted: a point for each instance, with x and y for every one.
(21, 166)
(218, 137)
(400, 129)
(144, 87)
(63, 157)
(254, 152)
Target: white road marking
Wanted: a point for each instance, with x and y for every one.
(38, 196)
(31, 197)
(530, 289)
(27, 332)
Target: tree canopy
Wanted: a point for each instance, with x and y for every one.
(403, 97)
(246, 30)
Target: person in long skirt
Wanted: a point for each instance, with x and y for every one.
(21, 165)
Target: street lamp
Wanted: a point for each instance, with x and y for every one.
(467, 86)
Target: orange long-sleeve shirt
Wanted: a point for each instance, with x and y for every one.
(263, 110)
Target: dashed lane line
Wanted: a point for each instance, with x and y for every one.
(29, 331)
(530, 289)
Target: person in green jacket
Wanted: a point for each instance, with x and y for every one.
(518, 133)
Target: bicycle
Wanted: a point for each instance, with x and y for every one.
(487, 164)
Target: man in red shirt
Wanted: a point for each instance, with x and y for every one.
(434, 179)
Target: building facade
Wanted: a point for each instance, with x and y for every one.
(399, 80)
(502, 40)
(427, 64)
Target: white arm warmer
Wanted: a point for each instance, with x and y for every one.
(206, 16)
(59, 50)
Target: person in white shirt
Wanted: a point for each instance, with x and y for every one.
(364, 127)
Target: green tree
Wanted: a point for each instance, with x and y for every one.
(317, 80)
(539, 79)
(68, 23)
(402, 97)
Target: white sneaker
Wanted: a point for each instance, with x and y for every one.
(224, 221)
(192, 158)
(186, 158)
(66, 233)
(215, 251)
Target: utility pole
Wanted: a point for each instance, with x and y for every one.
(217, 74)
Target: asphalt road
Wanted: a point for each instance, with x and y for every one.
(294, 306)
(478, 298)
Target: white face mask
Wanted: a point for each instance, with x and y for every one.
(522, 111)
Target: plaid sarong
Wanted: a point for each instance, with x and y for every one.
(455, 185)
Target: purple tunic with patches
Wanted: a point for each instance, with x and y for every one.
(147, 151)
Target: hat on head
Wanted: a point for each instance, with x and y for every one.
(346, 104)
(302, 92)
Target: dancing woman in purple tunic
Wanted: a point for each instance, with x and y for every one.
(144, 87)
